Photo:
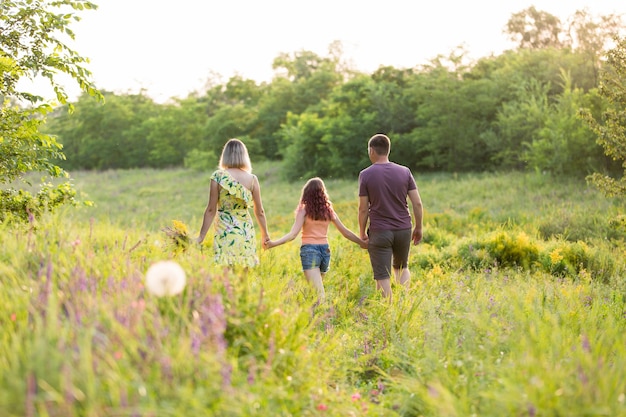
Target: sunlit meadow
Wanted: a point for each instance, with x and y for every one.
(516, 307)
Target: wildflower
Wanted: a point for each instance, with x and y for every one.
(555, 256)
(165, 278)
(433, 391)
(356, 396)
(586, 344)
(178, 235)
(322, 407)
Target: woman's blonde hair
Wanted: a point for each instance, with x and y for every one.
(235, 155)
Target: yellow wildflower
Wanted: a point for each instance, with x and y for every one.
(555, 256)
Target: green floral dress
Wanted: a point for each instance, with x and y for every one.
(234, 242)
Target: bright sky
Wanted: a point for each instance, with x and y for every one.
(171, 48)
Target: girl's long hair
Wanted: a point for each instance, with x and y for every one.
(315, 200)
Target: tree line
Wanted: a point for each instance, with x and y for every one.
(555, 103)
(516, 110)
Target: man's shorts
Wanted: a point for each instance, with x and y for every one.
(388, 248)
(315, 256)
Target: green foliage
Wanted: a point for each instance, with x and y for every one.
(111, 134)
(303, 80)
(23, 148)
(301, 136)
(501, 248)
(451, 115)
(564, 145)
(517, 123)
(611, 126)
(577, 260)
(32, 45)
(23, 206)
(171, 132)
(201, 160)
(516, 110)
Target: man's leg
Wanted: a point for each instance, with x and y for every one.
(380, 252)
(401, 249)
(403, 276)
(384, 285)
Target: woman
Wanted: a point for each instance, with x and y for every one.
(233, 190)
(313, 216)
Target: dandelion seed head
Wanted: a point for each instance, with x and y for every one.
(165, 278)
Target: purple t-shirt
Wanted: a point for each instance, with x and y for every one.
(387, 187)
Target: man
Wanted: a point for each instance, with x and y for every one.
(383, 190)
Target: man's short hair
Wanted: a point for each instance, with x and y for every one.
(380, 144)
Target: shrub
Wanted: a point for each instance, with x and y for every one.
(437, 237)
(21, 205)
(502, 248)
(573, 259)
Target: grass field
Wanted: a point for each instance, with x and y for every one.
(516, 307)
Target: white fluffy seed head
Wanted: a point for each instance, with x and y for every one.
(165, 278)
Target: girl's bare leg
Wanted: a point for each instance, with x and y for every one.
(314, 276)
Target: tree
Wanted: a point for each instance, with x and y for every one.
(451, 115)
(304, 79)
(610, 128)
(106, 136)
(564, 145)
(534, 29)
(173, 132)
(517, 122)
(590, 36)
(582, 33)
(329, 141)
(32, 46)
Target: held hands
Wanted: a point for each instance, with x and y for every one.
(269, 244)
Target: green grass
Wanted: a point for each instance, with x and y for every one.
(516, 308)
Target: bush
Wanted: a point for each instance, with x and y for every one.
(501, 248)
(574, 259)
(21, 205)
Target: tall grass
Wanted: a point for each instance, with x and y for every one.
(516, 307)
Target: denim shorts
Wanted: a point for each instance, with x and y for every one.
(315, 256)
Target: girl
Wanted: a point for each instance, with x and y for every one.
(313, 215)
